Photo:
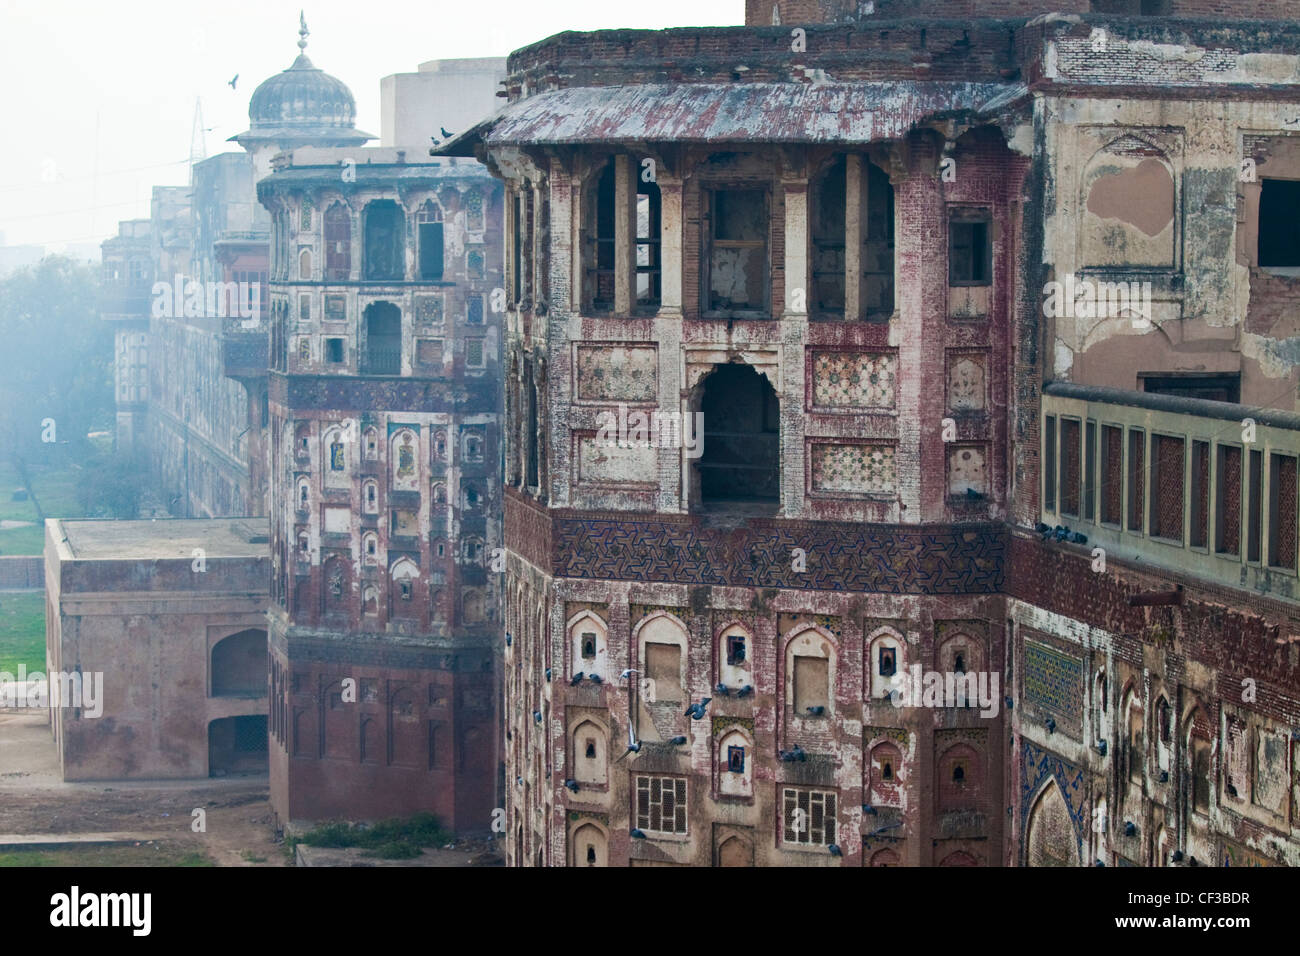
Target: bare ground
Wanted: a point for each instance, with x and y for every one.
(35, 801)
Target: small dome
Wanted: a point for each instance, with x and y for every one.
(302, 96)
(302, 106)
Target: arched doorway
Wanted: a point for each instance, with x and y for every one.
(383, 349)
(1050, 838)
(740, 464)
(237, 745)
(239, 665)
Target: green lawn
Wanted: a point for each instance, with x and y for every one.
(22, 630)
(148, 854)
(56, 487)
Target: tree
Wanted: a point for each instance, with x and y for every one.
(57, 359)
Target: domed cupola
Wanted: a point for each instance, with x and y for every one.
(303, 106)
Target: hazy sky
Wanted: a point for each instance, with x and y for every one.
(99, 96)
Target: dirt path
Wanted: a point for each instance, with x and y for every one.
(33, 800)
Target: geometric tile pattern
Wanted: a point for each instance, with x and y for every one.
(1037, 765)
(1054, 682)
(853, 379)
(618, 373)
(854, 468)
(846, 556)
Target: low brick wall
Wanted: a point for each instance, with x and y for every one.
(22, 571)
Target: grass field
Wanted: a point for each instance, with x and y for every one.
(146, 854)
(56, 487)
(22, 630)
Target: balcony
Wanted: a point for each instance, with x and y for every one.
(125, 301)
(382, 361)
(1207, 488)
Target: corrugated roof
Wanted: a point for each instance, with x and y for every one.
(733, 113)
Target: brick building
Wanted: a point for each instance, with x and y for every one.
(352, 392)
(836, 242)
(385, 492)
(172, 614)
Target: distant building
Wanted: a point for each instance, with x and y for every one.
(172, 614)
(449, 95)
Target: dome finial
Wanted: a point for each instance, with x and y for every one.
(303, 32)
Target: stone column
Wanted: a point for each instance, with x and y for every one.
(624, 233)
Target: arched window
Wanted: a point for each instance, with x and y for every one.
(338, 243)
(884, 662)
(884, 776)
(304, 265)
(960, 779)
(429, 236)
(403, 458)
(810, 675)
(589, 745)
(383, 350)
(384, 252)
(370, 548)
(370, 496)
(371, 440)
(740, 462)
(587, 641)
(735, 653)
(735, 764)
(1135, 751)
(588, 846)
(662, 641)
(404, 589)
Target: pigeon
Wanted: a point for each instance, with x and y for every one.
(548, 675)
(445, 134)
(869, 810)
(746, 690)
(577, 679)
(519, 781)
(633, 747)
(571, 784)
(596, 679)
(817, 711)
(232, 81)
(835, 849)
(637, 834)
(973, 495)
(627, 673)
(537, 716)
(696, 711)
(1076, 538)
(723, 689)
(794, 753)
(678, 740)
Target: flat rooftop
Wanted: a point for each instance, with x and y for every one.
(165, 538)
